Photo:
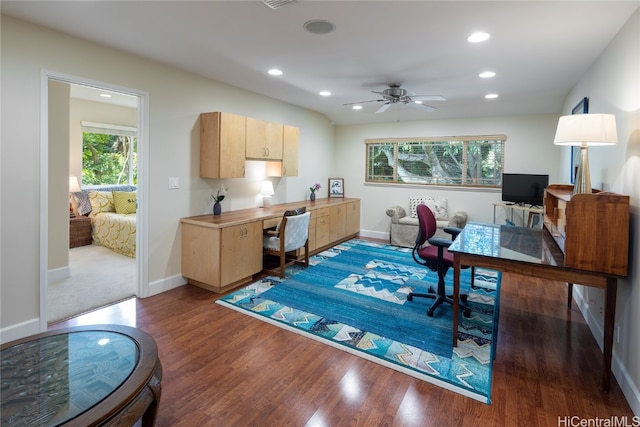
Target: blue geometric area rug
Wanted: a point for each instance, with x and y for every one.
(354, 297)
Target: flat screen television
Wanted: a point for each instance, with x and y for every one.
(524, 189)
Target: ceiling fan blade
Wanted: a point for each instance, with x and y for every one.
(423, 107)
(429, 97)
(384, 108)
(364, 102)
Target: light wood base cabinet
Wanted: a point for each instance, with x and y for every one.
(219, 259)
(222, 252)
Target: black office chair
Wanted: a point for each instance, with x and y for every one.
(437, 257)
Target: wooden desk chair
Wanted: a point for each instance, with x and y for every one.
(291, 234)
(437, 257)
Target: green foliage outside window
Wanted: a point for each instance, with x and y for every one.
(108, 159)
(475, 161)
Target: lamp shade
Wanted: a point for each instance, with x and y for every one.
(267, 188)
(586, 130)
(74, 185)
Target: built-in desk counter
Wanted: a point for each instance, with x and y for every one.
(221, 252)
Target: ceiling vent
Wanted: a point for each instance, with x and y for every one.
(277, 4)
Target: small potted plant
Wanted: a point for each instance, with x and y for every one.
(315, 187)
(217, 207)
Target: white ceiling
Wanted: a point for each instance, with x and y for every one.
(539, 49)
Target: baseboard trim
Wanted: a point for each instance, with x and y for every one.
(165, 284)
(20, 330)
(374, 234)
(58, 274)
(629, 388)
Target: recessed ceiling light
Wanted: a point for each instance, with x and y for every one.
(491, 96)
(325, 93)
(418, 102)
(275, 72)
(487, 74)
(105, 95)
(319, 26)
(357, 107)
(478, 37)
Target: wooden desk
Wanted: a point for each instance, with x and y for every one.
(83, 376)
(222, 252)
(531, 252)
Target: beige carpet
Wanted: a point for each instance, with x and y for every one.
(98, 277)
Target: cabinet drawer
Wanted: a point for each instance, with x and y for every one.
(321, 213)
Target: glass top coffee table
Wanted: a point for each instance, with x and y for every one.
(88, 375)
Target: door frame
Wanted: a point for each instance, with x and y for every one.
(142, 217)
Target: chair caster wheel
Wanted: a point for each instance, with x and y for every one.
(430, 313)
(464, 297)
(409, 297)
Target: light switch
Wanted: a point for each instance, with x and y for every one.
(174, 183)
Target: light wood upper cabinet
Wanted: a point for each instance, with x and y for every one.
(264, 140)
(289, 164)
(290, 151)
(222, 145)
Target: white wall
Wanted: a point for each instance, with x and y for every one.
(176, 99)
(613, 86)
(529, 149)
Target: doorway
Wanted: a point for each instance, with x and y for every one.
(52, 251)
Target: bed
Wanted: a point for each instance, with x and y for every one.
(113, 216)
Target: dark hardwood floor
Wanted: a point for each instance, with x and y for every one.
(223, 368)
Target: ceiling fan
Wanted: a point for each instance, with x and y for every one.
(394, 94)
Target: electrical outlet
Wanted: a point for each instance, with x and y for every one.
(174, 183)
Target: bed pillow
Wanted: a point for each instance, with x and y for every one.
(83, 204)
(125, 202)
(101, 201)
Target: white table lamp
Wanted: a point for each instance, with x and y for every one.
(267, 192)
(585, 130)
(74, 187)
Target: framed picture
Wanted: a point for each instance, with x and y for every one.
(581, 107)
(336, 187)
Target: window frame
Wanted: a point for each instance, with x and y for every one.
(464, 140)
(116, 130)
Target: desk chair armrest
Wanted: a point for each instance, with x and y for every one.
(440, 242)
(271, 232)
(453, 231)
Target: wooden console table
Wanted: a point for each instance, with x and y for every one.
(82, 376)
(221, 252)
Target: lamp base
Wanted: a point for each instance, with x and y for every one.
(266, 202)
(583, 177)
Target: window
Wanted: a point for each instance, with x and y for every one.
(109, 154)
(469, 161)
